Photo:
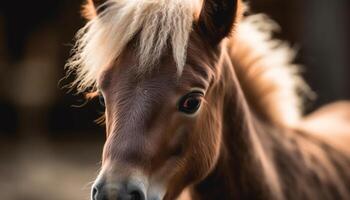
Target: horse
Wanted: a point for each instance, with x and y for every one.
(201, 102)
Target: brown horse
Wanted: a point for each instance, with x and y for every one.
(201, 103)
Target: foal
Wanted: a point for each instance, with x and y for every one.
(202, 104)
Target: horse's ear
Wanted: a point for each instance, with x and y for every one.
(217, 18)
(92, 7)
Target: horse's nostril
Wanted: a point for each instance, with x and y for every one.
(136, 195)
(123, 192)
(94, 193)
(98, 194)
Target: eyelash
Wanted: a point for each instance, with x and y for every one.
(101, 120)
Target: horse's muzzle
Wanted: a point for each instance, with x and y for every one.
(125, 191)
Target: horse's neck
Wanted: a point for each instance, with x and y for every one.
(238, 174)
(258, 159)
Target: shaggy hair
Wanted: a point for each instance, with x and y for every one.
(266, 71)
(156, 22)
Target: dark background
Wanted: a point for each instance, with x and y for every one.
(50, 149)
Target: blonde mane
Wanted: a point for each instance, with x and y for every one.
(105, 36)
(271, 81)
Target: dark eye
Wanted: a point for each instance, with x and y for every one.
(101, 99)
(190, 103)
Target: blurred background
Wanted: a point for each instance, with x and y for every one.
(50, 147)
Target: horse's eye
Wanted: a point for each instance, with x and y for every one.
(101, 99)
(190, 103)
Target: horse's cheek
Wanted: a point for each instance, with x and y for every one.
(208, 145)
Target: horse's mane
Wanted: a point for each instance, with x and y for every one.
(155, 22)
(275, 90)
(271, 82)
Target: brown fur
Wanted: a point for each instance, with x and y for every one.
(235, 146)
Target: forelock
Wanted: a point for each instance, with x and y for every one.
(157, 23)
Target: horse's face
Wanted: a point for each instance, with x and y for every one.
(164, 129)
